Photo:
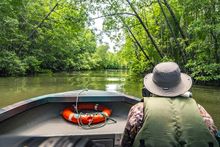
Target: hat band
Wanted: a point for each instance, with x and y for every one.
(166, 83)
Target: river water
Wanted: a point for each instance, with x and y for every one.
(14, 89)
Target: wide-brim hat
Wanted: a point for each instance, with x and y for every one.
(167, 80)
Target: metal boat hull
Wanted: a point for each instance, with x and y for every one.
(40, 117)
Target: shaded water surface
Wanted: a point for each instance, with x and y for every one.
(14, 89)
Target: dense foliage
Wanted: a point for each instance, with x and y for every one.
(48, 35)
(54, 35)
(187, 32)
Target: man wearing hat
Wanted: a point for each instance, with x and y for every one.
(167, 119)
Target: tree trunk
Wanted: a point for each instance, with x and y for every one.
(137, 42)
(134, 38)
(173, 34)
(136, 51)
(217, 58)
(146, 29)
(176, 22)
(214, 36)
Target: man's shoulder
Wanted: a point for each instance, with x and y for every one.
(138, 106)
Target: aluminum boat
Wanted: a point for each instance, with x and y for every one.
(38, 119)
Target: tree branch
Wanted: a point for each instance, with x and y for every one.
(124, 13)
(39, 24)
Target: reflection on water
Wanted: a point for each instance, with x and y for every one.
(113, 87)
(115, 79)
(16, 89)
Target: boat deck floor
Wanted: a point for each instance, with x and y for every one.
(60, 127)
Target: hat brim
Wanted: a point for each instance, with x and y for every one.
(183, 86)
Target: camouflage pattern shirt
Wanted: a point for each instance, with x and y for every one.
(135, 122)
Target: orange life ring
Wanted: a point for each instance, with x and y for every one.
(69, 114)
